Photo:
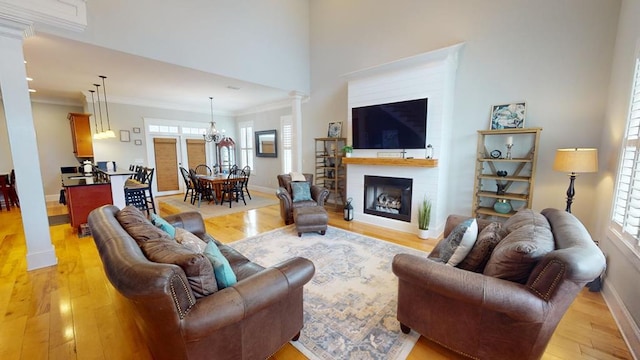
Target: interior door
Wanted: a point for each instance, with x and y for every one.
(196, 153)
(166, 155)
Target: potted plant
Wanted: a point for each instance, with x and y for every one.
(348, 150)
(424, 217)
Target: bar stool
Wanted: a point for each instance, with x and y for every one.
(140, 194)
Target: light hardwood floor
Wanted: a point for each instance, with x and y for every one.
(71, 311)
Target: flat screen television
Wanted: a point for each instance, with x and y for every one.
(398, 125)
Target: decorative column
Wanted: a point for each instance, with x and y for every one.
(23, 143)
(296, 121)
(16, 20)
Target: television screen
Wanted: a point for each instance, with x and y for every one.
(398, 125)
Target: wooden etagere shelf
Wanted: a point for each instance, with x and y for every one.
(330, 171)
(521, 170)
(391, 162)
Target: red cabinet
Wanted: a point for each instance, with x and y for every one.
(82, 199)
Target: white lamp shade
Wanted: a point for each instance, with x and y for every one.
(576, 160)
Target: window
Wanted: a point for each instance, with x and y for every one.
(626, 208)
(246, 144)
(287, 137)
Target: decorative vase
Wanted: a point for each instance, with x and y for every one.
(502, 206)
(423, 233)
(347, 154)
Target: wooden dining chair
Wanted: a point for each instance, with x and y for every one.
(201, 190)
(247, 171)
(188, 184)
(203, 169)
(232, 188)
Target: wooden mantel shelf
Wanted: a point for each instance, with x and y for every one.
(390, 162)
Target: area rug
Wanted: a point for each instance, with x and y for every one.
(59, 219)
(350, 304)
(210, 210)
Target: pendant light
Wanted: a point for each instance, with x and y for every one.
(99, 135)
(212, 134)
(109, 133)
(96, 136)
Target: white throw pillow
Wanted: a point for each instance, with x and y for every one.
(466, 244)
(296, 176)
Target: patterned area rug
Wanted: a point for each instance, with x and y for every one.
(210, 210)
(350, 304)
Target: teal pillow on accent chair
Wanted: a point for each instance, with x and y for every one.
(301, 191)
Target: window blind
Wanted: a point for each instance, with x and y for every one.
(626, 209)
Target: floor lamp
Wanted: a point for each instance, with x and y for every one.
(574, 161)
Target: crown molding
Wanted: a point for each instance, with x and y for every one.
(63, 14)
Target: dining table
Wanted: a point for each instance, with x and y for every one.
(217, 181)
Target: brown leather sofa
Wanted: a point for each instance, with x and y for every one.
(249, 320)
(319, 195)
(485, 317)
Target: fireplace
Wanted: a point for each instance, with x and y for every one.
(388, 197)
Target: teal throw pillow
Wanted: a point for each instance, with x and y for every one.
(301, 191)
(221, 267)
(164, 225)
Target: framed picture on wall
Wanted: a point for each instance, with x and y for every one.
(138, 142)
(125, 136)
(507, 116)
(335, 129)
(136, 130)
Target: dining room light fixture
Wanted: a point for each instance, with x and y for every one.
(212, 134)
(574, 161)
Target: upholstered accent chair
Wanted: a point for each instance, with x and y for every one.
(319, 195)
(483, 315)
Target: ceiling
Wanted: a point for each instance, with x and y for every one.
(63, 69)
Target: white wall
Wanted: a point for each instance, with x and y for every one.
(555, 55)
(266, 169)
(265, 42)
(623, 262)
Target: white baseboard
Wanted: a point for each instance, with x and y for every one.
(622, 317)
(266, 190)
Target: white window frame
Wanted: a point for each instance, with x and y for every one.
(625, 214)
(286, 131)
(245, 144)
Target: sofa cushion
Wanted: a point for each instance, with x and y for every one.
(138, 226)
(163, 225)
(524, 217)
(190, 241)
(516, 255)
(301, 191)
(487, 240)
(457, 245)
(221, 267)
(196, 267)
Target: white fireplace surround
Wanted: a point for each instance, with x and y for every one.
(431, 75)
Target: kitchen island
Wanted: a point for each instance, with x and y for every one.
(83, 194)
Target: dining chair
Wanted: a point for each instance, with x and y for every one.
(139, 192)
(201, 189)
(203, 169)
(5, 188)
(247, 171)
(232, 188)
(188, 184)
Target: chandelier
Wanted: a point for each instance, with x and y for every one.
(212, 133)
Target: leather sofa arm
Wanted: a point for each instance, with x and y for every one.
(248, 296)
(487, 293)
(319, 194)
(190, 221)
(285, 197)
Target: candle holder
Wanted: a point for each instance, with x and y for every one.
(509, 146)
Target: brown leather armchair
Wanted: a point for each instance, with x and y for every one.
(319, 195)
(249, 320)
(484, 317)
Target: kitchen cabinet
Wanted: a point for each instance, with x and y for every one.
(81, 135)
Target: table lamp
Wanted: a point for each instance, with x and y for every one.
(574, 161)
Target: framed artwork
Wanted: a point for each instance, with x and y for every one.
(335, 129)
(507, 116)
(136, 130)
(138, 142)
(125, 136)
